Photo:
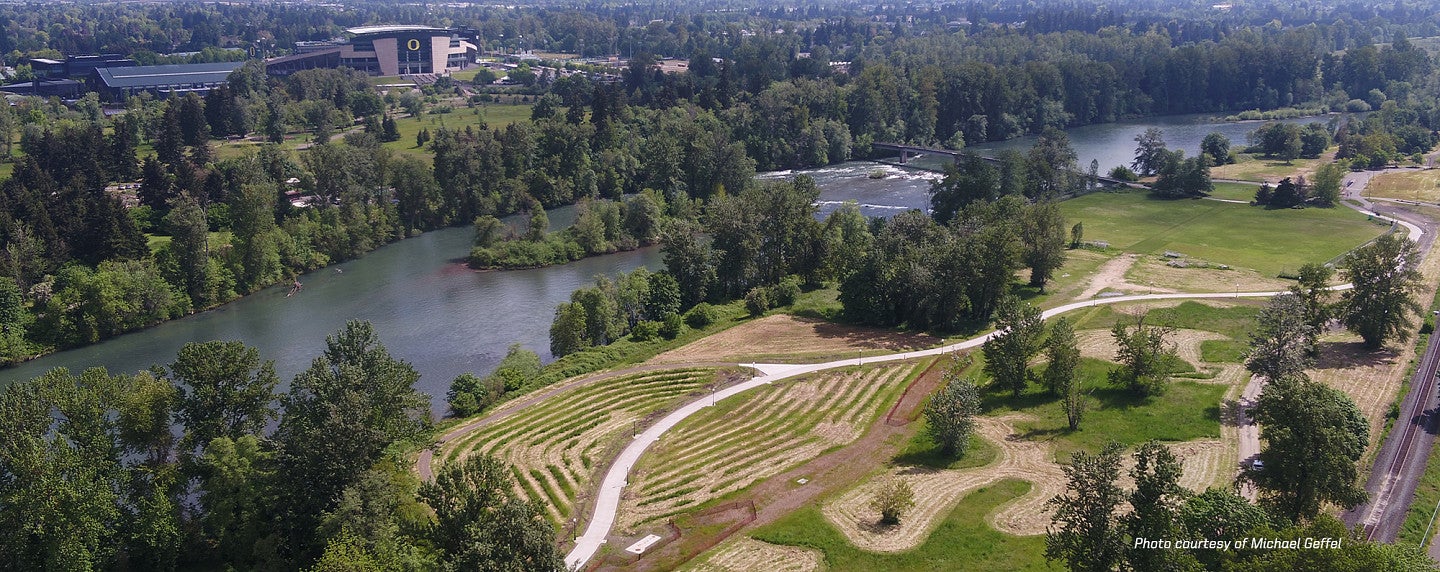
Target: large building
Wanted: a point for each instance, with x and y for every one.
(117, 83)
(383, 50)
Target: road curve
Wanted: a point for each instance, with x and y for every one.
(607, 501)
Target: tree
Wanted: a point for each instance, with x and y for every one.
(1075, 402)
(235, 495)
(1150, 152)
(567, 330)
(255, 240)
(1313, 289)
(1050, 166)
(893, 498)
(1283, 343)
(482, 525)
(1062, 355)
(1042, 231)
(341, 413)
(1145, 356)
(225, 391)
(1180, 177)
(1077, 235)
(1313, 437)
(1084, 531)
(1325, 185)
(1155, 504)
(1220, 514)
(950, 414)
(489, 231)
(1217, 146)
(1018, 327)
(1382, 303)
(191, 246)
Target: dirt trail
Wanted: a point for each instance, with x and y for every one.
(1111, 276)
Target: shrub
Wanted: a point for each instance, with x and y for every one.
(785, 293)
(1123, 173)
(893, 499)
(671, 326)
(701, 315)
(757, 301)
(645, 331)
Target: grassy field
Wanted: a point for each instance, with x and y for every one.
(1234, 321)
(1414, 185)
(1260, 169)
(554, 446)
(1186, 411)
(1268, 241)
(1235, 191)
(964, 541)
(922, 451)
(497, 116)
(218, 240)
(751, 436)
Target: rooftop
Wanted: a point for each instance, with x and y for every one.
(395, 28)
(141, 76)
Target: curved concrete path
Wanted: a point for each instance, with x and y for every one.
(607, 501)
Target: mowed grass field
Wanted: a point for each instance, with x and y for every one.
(757, 434)
(497, 116)
(553, 447)
(964, 541)
(1267, 240)
(1413, 185)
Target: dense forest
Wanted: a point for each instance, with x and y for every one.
(195, 464)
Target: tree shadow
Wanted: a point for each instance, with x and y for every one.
(1341, 355)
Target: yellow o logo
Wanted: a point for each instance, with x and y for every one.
(413, 44)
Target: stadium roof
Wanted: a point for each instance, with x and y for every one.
(176, 74)
(397, 28)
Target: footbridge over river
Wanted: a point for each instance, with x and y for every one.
(906, 151)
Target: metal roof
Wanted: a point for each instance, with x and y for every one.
(174, 74)
(395, 28)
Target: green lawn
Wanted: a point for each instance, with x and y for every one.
(1260, 169)
(922, 451)
(218, 240)
(963, 541)
(1268, 241)
(1234, 322)
(1186, 411)
(1235, 191)
(497, 116)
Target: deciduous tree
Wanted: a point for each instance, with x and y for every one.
(1018, 328)
(1382, 304)
(225, 391)
(1283, 343)
(482, 525)
(1084, 531)
(1313, 437)
(1145, 356)
(950, 414)
(893, 498)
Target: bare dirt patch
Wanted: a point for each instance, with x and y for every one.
(1111, 277)
(746, 554)
(782, 337)
(1156, 273)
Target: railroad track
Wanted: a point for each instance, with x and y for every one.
(1383, 515)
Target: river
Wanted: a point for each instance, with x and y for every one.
(431, 310)
(427, 306)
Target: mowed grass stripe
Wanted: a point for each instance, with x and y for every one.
(552, 444)
(777, 431)
(521, 426)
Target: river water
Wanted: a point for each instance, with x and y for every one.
(427, 306)
(431, 310)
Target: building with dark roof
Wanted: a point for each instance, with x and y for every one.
(76, 66)
(121, 82)
(383, 50)
(45, 87)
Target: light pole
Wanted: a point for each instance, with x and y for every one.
(1237, 289)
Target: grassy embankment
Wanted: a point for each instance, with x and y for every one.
(1421, 186)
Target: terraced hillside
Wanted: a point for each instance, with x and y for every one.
(554, 446)
(756, 435)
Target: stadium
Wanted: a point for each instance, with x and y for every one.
(384, 51)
